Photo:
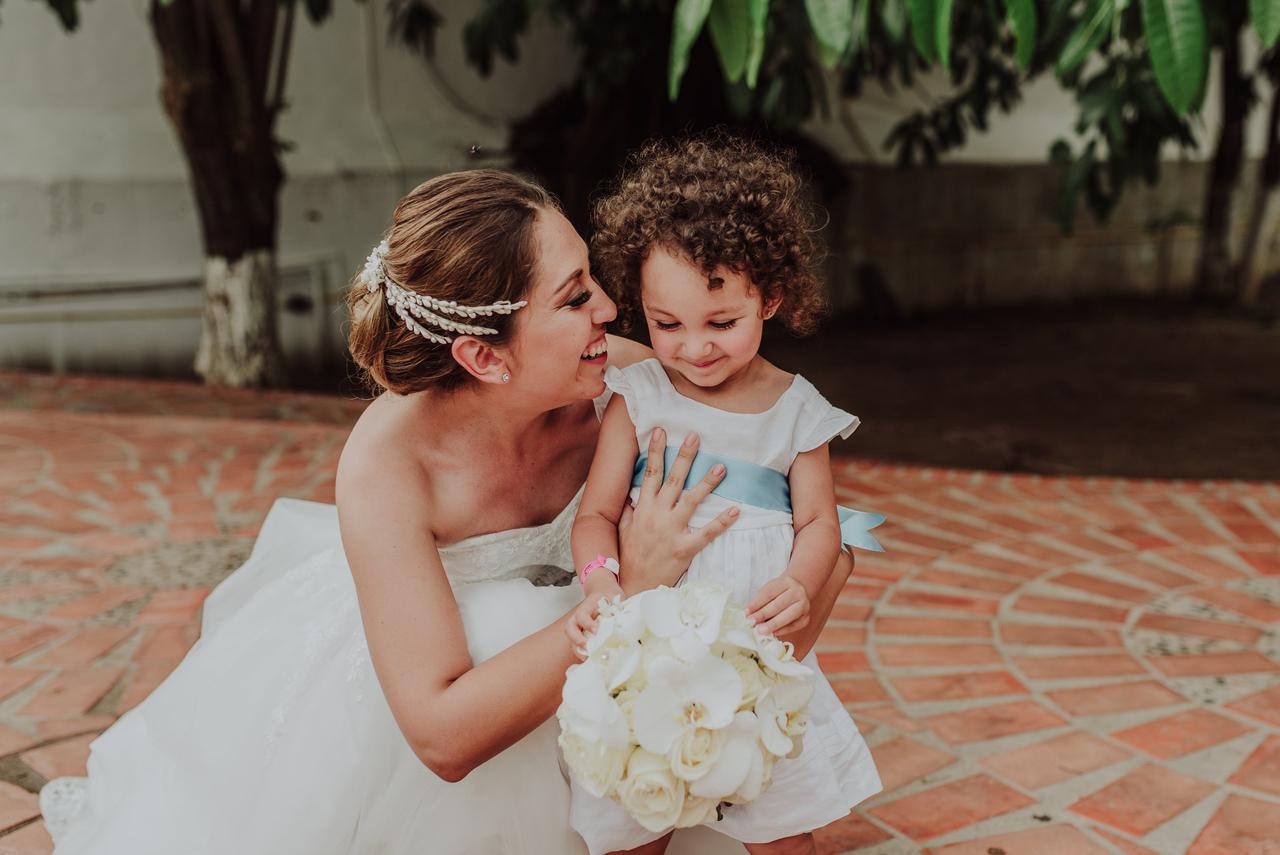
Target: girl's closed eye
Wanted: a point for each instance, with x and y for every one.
(666, 325)
(724, 325)
(579, 300)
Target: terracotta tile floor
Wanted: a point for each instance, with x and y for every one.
(1040, 665)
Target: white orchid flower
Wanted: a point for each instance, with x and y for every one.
(779, 656)
(680, 695)
(778, 709)
(586, 709)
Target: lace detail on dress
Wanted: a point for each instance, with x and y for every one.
(521, 553)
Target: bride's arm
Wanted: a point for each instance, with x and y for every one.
(454, 715)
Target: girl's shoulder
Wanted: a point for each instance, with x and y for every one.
(818, 421)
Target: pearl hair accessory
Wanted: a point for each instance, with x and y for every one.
(413, 307)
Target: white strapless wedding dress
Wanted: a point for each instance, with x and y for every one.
(272, 737)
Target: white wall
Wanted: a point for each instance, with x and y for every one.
(94, 192)
(92, 181)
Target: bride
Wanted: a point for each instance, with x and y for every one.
(380, 677)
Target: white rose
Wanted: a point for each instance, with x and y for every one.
(597, 767)
(754, 681)
(650, 792)
(696, 811)
(694, 753)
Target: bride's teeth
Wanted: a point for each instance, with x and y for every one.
(593, 352)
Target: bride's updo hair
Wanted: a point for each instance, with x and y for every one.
(465, 236)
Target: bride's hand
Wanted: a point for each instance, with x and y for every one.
(654, 538)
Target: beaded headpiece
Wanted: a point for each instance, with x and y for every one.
(414, 308)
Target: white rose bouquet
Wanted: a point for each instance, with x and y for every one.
(681, 706)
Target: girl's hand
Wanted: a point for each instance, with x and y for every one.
(582, 621)
(657, 543)
(781, 605)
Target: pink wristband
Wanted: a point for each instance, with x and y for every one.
(610, 564)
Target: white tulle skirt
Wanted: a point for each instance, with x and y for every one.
(272, 737)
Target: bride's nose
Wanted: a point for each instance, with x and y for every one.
(605, 309)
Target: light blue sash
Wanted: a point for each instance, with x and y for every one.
(766, 488)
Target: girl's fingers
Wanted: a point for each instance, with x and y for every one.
(793, 627)
(653, 466)
(768, 591)
(769, 609)
(786, 616)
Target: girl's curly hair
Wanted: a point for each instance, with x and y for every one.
(718, 200)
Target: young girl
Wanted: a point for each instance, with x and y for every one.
(709, 239)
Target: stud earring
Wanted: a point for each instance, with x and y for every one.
(506, 378)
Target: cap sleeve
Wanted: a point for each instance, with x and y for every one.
(634, 383)
(823, 422)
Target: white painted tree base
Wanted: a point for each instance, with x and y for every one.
(239, 344)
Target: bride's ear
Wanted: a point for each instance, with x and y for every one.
(479, 358)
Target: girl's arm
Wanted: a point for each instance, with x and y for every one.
(785, 600)
(595, 529)
(804, 635)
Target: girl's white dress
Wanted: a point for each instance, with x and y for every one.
(835, 771)
(272, 737)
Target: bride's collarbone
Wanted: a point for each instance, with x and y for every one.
(482, 494)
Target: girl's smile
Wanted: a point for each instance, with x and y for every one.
(706, 327)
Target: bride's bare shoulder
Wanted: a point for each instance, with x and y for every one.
(624, 351)
(378, 464)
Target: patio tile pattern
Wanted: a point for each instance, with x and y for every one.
(1039, 664)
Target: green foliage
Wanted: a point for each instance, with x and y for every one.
(1022, 21)
(1125, 126)
(68, 13)
(495, 29)
(414, 23)
(1176, 39)
(731, 33)
(924, 26)
(685, 26)
(942, 32)
(833, 24)
(1266, 20)
(1088, 36)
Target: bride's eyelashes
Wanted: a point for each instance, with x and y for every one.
(579, 300)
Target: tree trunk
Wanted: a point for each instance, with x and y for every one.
(1264, 218)
(238, 317)
(1214, 275)
(214, 92)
